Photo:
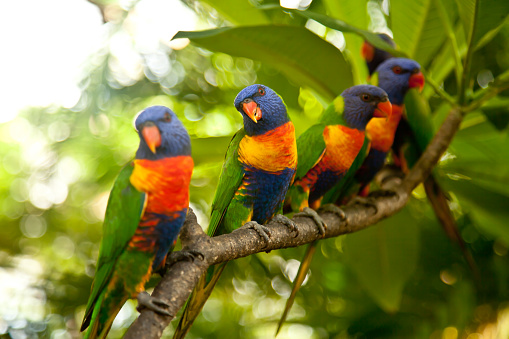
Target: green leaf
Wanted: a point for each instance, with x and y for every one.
(419, 118)
(286, 48)
(240, 13)
(442, 63)
(384, 257)
(497, 112)
(355, 11)
(481, 17)
(417, 28)
(487, 208)
(342, 26)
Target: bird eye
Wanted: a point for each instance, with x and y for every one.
(166, 117)
(397, 70)
(365, 97)
(261, 91)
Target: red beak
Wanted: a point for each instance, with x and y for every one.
(383, 109)
(252, 110)
(367, 51)
(152, 136)
(416, 80)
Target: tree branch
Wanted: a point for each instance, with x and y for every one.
(178, 282)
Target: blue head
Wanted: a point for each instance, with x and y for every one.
(262, 109)
(363, 102)
(162, 135)
(397, 75)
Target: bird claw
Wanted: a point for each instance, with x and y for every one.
(366, 201)
(311, 213)
(383, 193)
(334, 209)
(287, 222)
(263, 231)
(188, 255)
(145, 300)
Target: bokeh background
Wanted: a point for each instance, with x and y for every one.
(76, 72)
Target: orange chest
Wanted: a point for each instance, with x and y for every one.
(381, 131)
(342, 144)
(273, 151)
(165, 182)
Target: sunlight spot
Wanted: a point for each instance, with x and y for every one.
(19, 190)
(64, 247)
(484, 78)
(41, 196)
(33, 226)
(499, 248)
(68, 170)
(450, 333)
(448, 277)
(59, 131)
(292, 268)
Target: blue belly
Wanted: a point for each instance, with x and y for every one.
(325, 181)
(265, 191)
(159, 239)
(370, 167)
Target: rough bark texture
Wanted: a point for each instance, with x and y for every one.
(178, 282)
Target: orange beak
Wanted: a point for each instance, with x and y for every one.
(152, 136)
(383, 109)
(252, 110)
(416, 80)
(367, 51)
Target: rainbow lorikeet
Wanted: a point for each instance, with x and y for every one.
(146, 210)
(374, 56)
(396, 76)
(259, 167)
(413, 134)
(330, 152)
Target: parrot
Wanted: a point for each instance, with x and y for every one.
(374, 56)
(396, 76)
(146, 209)
(413, 134)
(330, 153)
(258, 169)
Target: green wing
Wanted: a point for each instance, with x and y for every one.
(310, 148)
(419, 118)
(229, 181)
(347, 183)
(123, 213)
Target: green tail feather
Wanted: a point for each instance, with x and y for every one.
(103, 315)
(438, 201)
(198, 298)
(297, 283)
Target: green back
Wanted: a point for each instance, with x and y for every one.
(229, 181)
(123, 213)
(310, 144)
(418, 115)
(310, 148)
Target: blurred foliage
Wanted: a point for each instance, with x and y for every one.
(58, 164)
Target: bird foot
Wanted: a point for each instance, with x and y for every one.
(383, 193)
(263, 231)
(311, 213)
(287, 222)
(334, 209)
(366, 201)
(388, 173)
(145, 300)
(187, 255)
